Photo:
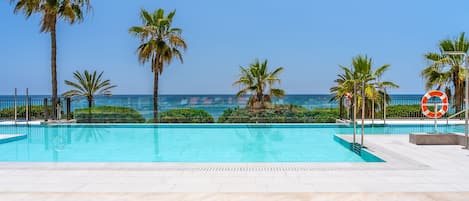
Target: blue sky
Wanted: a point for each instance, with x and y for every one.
(309, 38)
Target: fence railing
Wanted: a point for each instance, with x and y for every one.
(25, 108)
(221, 109)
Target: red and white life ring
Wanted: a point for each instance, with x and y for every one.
(348, 95)
(444, 104)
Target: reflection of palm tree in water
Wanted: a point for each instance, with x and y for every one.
(57, 137)
(91, 134)
(256, 142)
(58, 141)
(156, 144)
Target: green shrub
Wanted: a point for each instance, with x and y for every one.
(35, 112)
(399, 111)
(108, 114)
(184, 116)
(279, 114)
(323, 115)
(405, 111)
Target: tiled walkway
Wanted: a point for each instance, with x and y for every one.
(409, 168)
(235, 196)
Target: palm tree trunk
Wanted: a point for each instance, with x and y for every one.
(458, 91)
(260, 98)
(54, 66)
(90, 102)
(155, 96)
(341, 106)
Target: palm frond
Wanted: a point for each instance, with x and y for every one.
(88, 85)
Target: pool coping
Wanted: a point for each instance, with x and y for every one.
(393, 161)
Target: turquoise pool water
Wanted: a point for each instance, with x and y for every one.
(188, 143)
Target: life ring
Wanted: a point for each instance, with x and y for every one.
(348, 95)
(444, 100)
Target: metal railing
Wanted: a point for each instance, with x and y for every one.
(400, 107)
(25, 108)
(458, 114)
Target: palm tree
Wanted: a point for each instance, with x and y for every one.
(52, 11)
(344, 86)
(257, 81)
(446, 71)
(89, 85)
(361, 72)
(160, 44)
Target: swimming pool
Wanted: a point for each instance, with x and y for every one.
(189, 143)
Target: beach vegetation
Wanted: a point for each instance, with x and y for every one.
(34, 112)
(184, 115)
(89, 85)
(160, 44)
(108, 114)
(446, 72)
(51, 12)
(361, 77)
(258, 82)
(279, 114)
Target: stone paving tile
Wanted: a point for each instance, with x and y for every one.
(123, 187)
(243, 188)
(235, 196)
(186, 187)
(445, 169)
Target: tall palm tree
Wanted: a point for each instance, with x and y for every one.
(89, 85)
(160, 44)
(446, 72)
(258, 81)
(361, 72)
(52, 11)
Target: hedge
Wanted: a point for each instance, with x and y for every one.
(35, 112)
(108, 114)
(186, 115)
(279, 114)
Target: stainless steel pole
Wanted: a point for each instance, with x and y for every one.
(435, 105)
(384, 106)
(27, 105)
(466, 116)
(373, 106)
(14, 102)
(354, 112)
(363, 113)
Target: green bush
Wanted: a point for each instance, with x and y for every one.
(184, 116)
(405, 111)
(35, 112)
(323, 115)
(399, 111)
(108, 114)
(279, 114)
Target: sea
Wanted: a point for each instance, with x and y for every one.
(213, 104)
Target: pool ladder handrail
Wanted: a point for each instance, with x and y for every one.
(457, 113)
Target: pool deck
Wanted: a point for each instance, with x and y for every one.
(5, 138)
(442, 170)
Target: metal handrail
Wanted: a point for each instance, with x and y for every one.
(456, 114)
